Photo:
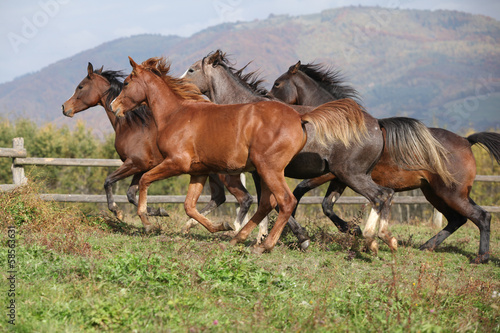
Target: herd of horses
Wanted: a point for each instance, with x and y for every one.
(216, 122)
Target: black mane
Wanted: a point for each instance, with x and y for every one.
(250, 80)
(331, 80)
(141, 113)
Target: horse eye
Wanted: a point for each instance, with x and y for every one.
(80, 87)
(125, 84)
(276, 84)
(190, 70)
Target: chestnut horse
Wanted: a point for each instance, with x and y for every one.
(223, 84)
(135, 143)
(199, 137)
(313, 85)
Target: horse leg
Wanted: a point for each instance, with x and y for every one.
(380, 198)
(264, 224)
(131, 196)
(235, 186)
(217, 198)
(309, 184)
(195, 188)
(125, 170)
(333, 193)
(266, 204)
(276, 184)
(457, 209)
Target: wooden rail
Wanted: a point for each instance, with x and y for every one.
(19, 160)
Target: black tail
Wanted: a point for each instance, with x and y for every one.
(489, 141)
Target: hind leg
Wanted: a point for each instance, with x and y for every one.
(299, 231)
(275, 183)
(235, 186)
(266, 204)
(457, 207)
(381, 199)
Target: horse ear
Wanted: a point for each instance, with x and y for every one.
(90, 69)
(214, 58)
(99, 71)
(132, 62)
(295, 68)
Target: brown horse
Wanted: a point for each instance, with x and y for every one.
(199, 137)
(135, 143)
(313, 85)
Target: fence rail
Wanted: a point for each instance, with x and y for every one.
(19, 160)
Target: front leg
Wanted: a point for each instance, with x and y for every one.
(195, 188)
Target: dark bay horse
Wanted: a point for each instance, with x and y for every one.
(223, 84)
(314, 84)
(135, 143)
(199, 137)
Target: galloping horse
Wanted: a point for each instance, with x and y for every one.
(135, 143)
(313, 85)
(223, 84)
(199, 137)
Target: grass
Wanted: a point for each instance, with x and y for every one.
(78, 273)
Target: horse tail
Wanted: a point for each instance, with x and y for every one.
(489, 141)
(412, 146)
(341, 120)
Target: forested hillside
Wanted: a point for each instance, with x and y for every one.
(442, 67)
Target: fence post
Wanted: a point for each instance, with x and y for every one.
(18, 170)
(437, 219)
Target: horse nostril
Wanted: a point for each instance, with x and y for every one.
(62, 108)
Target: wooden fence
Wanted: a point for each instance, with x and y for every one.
(20, 159)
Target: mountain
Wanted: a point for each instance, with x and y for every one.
(442, 67)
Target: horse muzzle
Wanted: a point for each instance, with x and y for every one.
(67, 113)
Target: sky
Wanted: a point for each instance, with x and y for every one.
(37, 33)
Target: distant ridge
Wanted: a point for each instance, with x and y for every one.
(442, 67)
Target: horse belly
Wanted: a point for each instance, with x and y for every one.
(224, 157)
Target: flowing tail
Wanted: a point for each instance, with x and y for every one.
(341, 120)
(412, 146)
(489, 141)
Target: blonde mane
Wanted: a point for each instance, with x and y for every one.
(182, 88)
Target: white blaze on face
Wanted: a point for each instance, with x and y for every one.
(184, 75)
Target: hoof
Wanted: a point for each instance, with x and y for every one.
(162, 212)
(157, 212)
(480, 259)
(151, 228)
(371, 246)
(119, 215)
(393, 244)
(258, 250)
(230, 233)
(227, 227)
(305, 245)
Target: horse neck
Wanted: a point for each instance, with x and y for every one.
(162, 101)
(311, 92)
(111, 115)
(226, 89)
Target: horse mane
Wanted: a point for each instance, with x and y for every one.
(180, 87)
(331, 80)
(141, 113)
(251, 80)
